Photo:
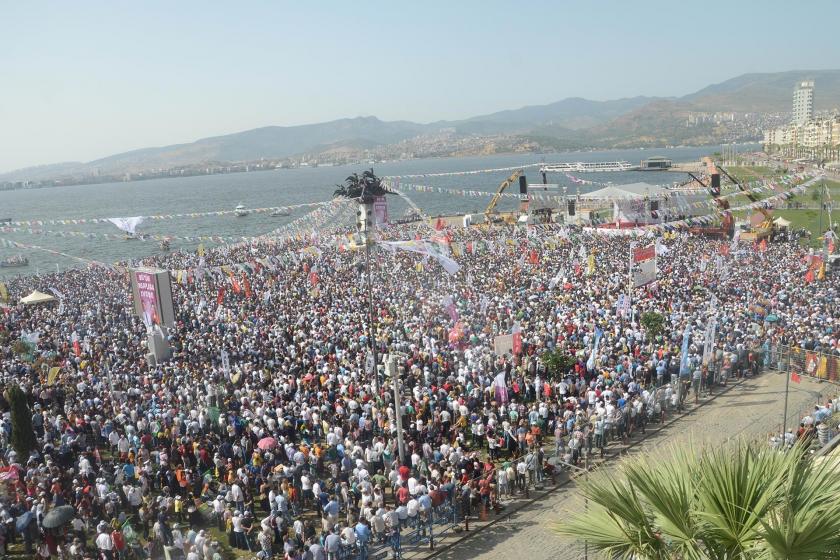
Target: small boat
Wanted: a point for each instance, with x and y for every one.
(16, 261)
(277, 212)
(164, 245)
(240, 210)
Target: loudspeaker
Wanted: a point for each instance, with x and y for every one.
(654, 206)
(523, 185)
(571, 208)
(715, 184)
(364, 217)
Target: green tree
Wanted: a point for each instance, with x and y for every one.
(557, 362)
(739, 502)
(364, 186)
(654, 323)
(23, 437)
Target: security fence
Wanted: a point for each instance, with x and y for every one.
(803, 362)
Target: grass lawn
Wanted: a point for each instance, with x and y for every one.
(751, 173)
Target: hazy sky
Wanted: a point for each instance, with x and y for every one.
(81, 79)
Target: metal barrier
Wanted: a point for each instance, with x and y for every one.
(803, 362)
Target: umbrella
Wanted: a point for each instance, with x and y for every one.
(771, 318)
(267, 443)
(23, 521)
(58, 517)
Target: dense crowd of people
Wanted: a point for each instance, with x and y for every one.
(288, 446)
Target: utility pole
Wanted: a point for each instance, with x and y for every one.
(787, 392)
(365, 224)
(393, 370)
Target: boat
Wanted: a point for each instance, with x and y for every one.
(240, 210)
(164, 245)
(588, 167)
(13, 262)
(277, 212)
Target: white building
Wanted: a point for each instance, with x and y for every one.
(803, 102)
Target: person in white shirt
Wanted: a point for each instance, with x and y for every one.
(105, 543)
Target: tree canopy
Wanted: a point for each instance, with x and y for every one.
(23, 437)
(364, 186)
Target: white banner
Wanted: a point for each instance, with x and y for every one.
(128, 225)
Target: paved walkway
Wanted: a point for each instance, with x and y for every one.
(752, 410)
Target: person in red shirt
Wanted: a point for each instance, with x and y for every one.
(402, 494)
(119, 542)
(404, 472)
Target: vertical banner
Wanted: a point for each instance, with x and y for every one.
(684, 372)
(644, 266)
(147, 290)
(380, 210)
(709, 340)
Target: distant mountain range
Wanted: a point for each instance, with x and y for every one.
(567, 124)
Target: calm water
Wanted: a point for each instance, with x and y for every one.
(267, 189)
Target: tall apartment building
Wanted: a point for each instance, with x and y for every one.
(803, 102)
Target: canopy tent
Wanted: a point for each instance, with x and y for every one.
(36, 297)
(626, 192)
(781, 222)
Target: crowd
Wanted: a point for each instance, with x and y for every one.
(285, 447)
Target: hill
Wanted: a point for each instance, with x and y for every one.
(567, 124)
(767, 92)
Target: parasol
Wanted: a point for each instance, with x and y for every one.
(267, 443)
(23, 521)
(58, 517)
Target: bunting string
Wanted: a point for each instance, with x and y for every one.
(157, 217)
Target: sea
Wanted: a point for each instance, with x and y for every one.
(280, 187)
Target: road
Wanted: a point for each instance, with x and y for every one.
(751, 410)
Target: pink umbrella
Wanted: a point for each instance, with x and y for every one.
(267, 443)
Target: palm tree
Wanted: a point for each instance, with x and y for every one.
(364, 186)
(733, 502)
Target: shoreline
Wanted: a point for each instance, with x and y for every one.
(115, 179)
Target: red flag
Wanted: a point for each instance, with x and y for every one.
(221, 297)
(809, 276)
(795, 377)
(313, 278)
(534, 257)
(247, 285)
(236, 287)
(439, 225)
(77, 349)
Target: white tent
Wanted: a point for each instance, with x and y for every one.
(36, 297)
(781, 222)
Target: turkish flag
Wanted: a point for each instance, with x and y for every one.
(221, 297)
